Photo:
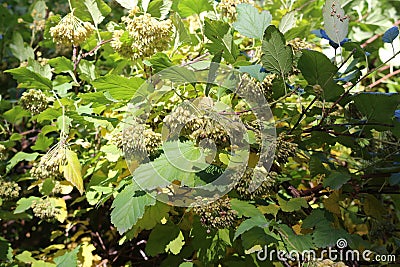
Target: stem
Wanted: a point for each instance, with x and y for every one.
(303, 114)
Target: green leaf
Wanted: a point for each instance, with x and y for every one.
(73, 170)
(335, 27)
(218, 32)
(24, 204)
(315, 219)
(153, 215)
(248, 224)
(19, 49)
(129, 208)
(293, 204)
(244, 208)
(377, 107)
(84, 9)
(160, 61)
(317, 69)
(119, 87)
(250, 22)
(287, 22)
(394, 179)
(47, 187)
(20, 156)
(94, 11)
(178, 74)
(6, 251)
(15, 114)
(256, 238)
(159, 8)
(63, 65)
(128, 4)
(42, 143)
(28, 78)
(69, 259)
(326, 235)
(176, 245)
(160, 237)
(181, 35)
(277, 56)
(336, 180)
(254, 71)
(160, 172)
(190, 7)
(293, 241)
(49, 114)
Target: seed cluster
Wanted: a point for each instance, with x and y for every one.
(34, 101)
(217, 214)
(228, 7)
(299, 44)
(137, 139)
(71, 31)
(3, 152)
(9, 190)
(284, 149)
(44, 210)
(48, 166)
(57, 189)
(144, 36)
(247, 183)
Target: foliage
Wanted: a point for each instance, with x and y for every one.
(69, 70)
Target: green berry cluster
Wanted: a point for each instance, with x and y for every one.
(9, 190)
(228, 7)
(299, 44)
(136, 138)
(71, 31)
(34, 101)
(48, 166)
(44, 209)
(284, 149)
(3, 152)
(246, 184)
(267, 85)
(144, 36)
(218, 214)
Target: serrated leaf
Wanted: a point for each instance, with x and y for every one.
(250, 22)
(20, 156)
(317, 69)
(128, 208)
(277, 56)
(159, 8)
(390, 35)
(42, 142)
(73, 170)
(293, 241)
(244, 208)
(181, 35)
(30, 79)
(182, 158)
(287, 22)
(293, 204)
(19, 49)
(128, 4)
(69, 259)
(218, 32)
(248, 224)
(119, 87)
(160, 61)
(176, 245)
(15, 114)
(94, 11)
(336, 180)
(326, 235)
(24, 204)
(189, 7)
(160, 237)
(335, 23)
(256, 237)
(254, 71)
(83, 12)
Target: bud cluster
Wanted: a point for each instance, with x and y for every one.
(3, 152)
(144, 36)
(57, 189)
(34, 101)
(44, 209)
(299, 44)
(284, 149)
(9, 190)
(254, 182)
(217, 214)
(136, 138)
(71, 31)
(48, 166)
(228, 7)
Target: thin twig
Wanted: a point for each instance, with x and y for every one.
(384, 78)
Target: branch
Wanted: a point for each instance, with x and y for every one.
(384, 78)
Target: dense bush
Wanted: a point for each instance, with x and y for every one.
(71, 76)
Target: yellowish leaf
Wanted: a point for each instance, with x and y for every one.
(87, 255)
(59, 203)
(73, 170)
